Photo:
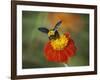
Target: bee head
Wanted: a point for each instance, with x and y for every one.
(53, 34)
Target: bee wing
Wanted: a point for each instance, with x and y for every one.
(43, 29)
(57, 25)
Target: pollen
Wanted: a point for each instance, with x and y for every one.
(59, 43)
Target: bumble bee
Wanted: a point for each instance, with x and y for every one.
(53, 34)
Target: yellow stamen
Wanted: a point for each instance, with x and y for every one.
(59, 43)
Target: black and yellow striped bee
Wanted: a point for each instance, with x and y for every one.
(52, 33)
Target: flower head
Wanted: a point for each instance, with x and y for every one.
(61, 49)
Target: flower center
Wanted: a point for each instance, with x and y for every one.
(59, 43)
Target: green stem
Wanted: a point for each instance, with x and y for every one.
(66, 65)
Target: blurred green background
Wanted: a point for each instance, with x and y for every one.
(33, 40)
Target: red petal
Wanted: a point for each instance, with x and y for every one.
(71, 49)
(67, 34)
(55, 55)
